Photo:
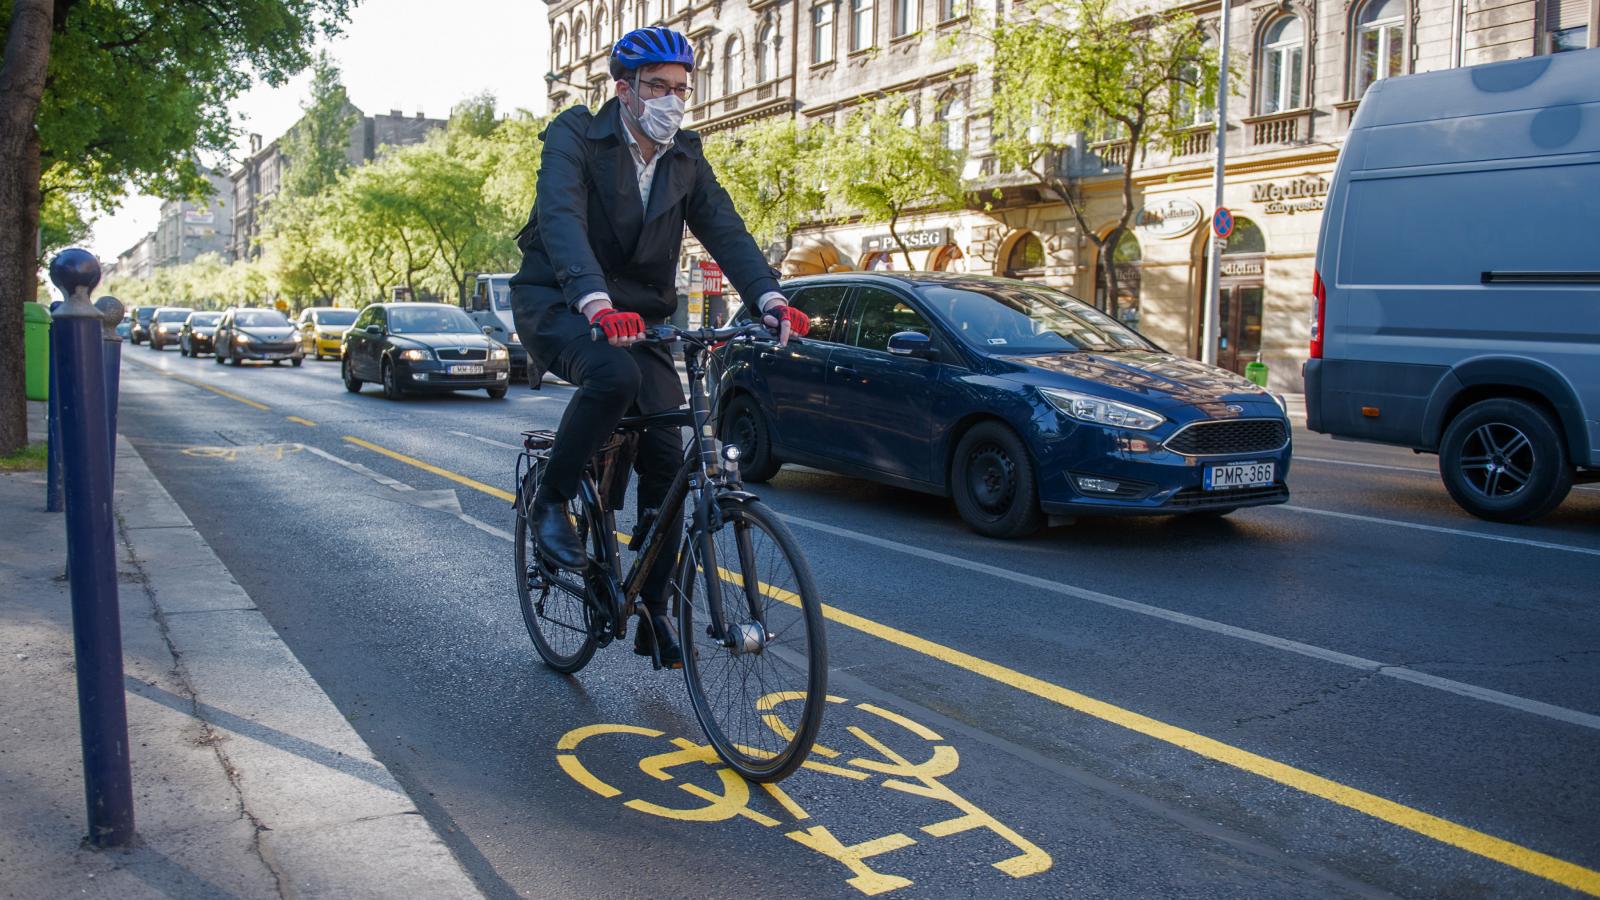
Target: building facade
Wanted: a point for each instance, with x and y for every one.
(189, 228)
(1305, 66)
(260, 175)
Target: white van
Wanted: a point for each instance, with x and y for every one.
(1458, 280)
(488, 302)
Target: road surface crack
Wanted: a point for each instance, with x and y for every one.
(209, 735)
(1333, 690)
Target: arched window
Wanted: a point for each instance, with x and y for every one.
(732, 67)
(1026, 258)
(580, 40)
(702, 72)
(1246, 238)
(1125, 259)
(766, 53)
(949, 258)
(621, 25)
(558, 48)
(598, 39)
(1283, 58)
(952, 118)
(1380, 42)
(908, 116)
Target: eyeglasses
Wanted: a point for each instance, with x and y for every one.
(659, 88)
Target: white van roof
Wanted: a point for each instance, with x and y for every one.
(1526, 108)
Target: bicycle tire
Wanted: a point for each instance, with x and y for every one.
(533, 598)
(786, 600)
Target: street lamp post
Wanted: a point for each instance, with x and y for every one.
(1208, 341)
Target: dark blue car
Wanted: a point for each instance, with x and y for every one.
(1016, 400)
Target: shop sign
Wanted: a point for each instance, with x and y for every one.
(199, 216)
(1237, 269)
(924, 239)
(1297, 195)
(1169, 218)
(710, 278)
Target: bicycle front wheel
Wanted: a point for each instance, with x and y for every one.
(558, 620)
(755, 655)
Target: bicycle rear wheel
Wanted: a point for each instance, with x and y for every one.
(558, 621)
(759, 700)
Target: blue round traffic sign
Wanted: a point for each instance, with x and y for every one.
(1222, 222)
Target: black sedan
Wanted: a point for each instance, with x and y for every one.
(1015, 400)
(263, 334)
(198, 333)
(422, 347)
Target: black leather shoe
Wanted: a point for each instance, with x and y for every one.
(557, 541)
(644, 640)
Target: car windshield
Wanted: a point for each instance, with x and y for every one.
(501, 291)
(146, 313)
(173, 315)
(430, 320)
(260, 318)
(202, 320)
(1004, 318)
(336, 317)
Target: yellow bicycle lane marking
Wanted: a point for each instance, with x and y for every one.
(1462, 837)
(212, 388)
(231, 454)
(876, 760)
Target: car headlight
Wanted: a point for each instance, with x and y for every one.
(1282, 403)
(240, 339)
(499, 353)
(515, 339)
(1089, 408)
(415, 355)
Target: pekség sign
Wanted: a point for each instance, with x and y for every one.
(1168, 218)
(924, 239)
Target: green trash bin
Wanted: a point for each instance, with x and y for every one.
(36, 350)
(1256, 372)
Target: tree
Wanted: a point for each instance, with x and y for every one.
(1060, 71)
(877, 166)
(306, 258)
(107, 95)
(769, 169)
(317, 147)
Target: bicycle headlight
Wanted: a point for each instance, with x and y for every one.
(1100, 411)
(415, 355)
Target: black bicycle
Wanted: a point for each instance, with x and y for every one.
(754, 651)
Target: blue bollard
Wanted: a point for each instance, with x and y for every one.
(52, 466)
(111, 310)
(91, 550)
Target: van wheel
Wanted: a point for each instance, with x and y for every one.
(993, 483)
(1505, 460)
(745, 426)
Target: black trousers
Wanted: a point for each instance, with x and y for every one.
(613, 382)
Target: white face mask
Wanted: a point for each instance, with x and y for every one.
(661, 117)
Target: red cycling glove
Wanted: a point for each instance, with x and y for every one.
(799, 322)
(615, 323)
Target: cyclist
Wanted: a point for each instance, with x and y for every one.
(600, 251)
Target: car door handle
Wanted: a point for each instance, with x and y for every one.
(845, 370)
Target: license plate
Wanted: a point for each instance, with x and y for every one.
(1238, 475)
(466, 370)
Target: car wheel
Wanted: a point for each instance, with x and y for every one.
(216, 357)
(297, 361)
(745, 426)
(993, 482)
(1505, 460)
(351, 382)
(391, 384)
(498, 393)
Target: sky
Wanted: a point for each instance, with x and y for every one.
(411, 55)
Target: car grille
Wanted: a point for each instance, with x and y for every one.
(1197, 498)
(1229, 436)
(276, 347)
(463, 353)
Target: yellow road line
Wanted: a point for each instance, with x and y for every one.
(429, 467)
(1471, 840)
(212, 388)
(299, 421)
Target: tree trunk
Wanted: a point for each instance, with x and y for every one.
(894, 233)
(1108, 265)
(22, 77)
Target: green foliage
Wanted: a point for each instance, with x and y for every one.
(770, 170)
(61, 223)
(31, 458)
(317, 148)
(876, 166)
(206, 283)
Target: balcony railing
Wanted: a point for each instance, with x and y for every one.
(1279, 128)
(1115, 154)
(1197, 141)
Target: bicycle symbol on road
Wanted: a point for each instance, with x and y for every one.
(231, 454)
(875, 762)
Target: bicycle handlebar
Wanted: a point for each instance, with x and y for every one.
(666, 334)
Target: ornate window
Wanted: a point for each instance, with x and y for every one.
(621, 25)
(558, 48)
(1380, 42)
(1283, 66)
(732, 66)
(906, 16)
(580, 40)
(952, 118)
(908, 116)
(822, 32)
(766, 53)
(1026, 257)
(863, 24)
(598, 38)
(702, 72)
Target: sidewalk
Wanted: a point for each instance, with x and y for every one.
(247, 781)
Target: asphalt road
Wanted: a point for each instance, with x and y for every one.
(1365, 693)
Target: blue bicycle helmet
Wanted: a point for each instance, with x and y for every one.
(651, 46)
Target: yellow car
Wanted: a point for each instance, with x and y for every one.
(322, 328)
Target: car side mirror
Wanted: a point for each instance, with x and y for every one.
(912, 343)
(488, 329)
(374, 329)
